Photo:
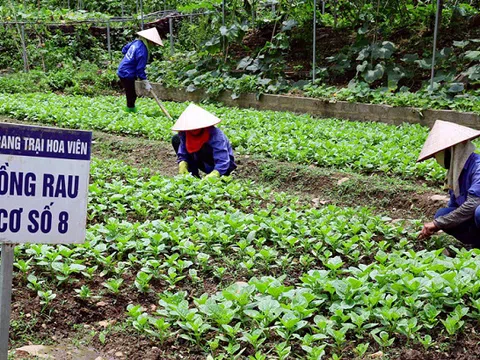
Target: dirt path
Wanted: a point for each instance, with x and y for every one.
(390, 196)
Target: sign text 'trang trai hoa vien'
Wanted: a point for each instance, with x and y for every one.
(44, 175)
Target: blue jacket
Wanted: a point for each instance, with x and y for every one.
(135, 60)
(221, 150)
(469, 181)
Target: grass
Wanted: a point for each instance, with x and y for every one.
(22, 327)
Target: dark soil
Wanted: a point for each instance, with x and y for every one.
(155, 155)
(73, 318)
(464, 347)
(341, 188)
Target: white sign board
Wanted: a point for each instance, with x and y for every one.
(43, 184)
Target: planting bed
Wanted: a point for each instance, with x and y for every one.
(176, 267)
(365, 147)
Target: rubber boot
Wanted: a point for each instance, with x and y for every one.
(131, 110)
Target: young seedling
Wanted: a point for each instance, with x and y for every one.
(46, 297)
(142, 282)
(113, 285)
(84, 292)
(34, 284)
(23, 266)
(254, 338)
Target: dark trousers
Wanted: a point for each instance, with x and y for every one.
(129, 86)
(467, 232)
(198, 160)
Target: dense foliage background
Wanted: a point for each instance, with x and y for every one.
(366, 49)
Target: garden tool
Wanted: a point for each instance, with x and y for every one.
(161, 105)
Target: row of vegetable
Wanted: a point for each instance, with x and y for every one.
(365, 147)
(285, 280)
(86, 79)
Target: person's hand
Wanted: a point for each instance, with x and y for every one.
(428, 230)
(183, 168)
(213, 174)
(147, 85)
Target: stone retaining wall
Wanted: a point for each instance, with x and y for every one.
(321, 108)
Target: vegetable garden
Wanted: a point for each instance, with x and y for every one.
(232, 269)
(252, 266)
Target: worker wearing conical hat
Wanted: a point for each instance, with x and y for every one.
(450, 144)
(200, 145)
(134, 63)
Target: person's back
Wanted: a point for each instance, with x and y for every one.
(134, 62)
(469, 181)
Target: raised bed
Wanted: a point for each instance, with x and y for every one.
(321, 108)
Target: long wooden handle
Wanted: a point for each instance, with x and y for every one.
(161, 106)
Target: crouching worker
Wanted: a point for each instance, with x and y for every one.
(451, 146)
(199, 145)
(134, 63)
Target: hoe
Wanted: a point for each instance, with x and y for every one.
(161, 105)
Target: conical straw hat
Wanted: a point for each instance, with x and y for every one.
(152, 35)
(194, 117)
(443, 135)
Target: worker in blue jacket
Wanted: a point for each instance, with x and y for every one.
(134, 63)
(451, 146)
(199, 145)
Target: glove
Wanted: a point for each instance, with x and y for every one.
(213, 174)
(183, 168)
(147, 85)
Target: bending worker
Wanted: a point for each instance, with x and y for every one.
(199, 145)
(134, 63)
(451, 146)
